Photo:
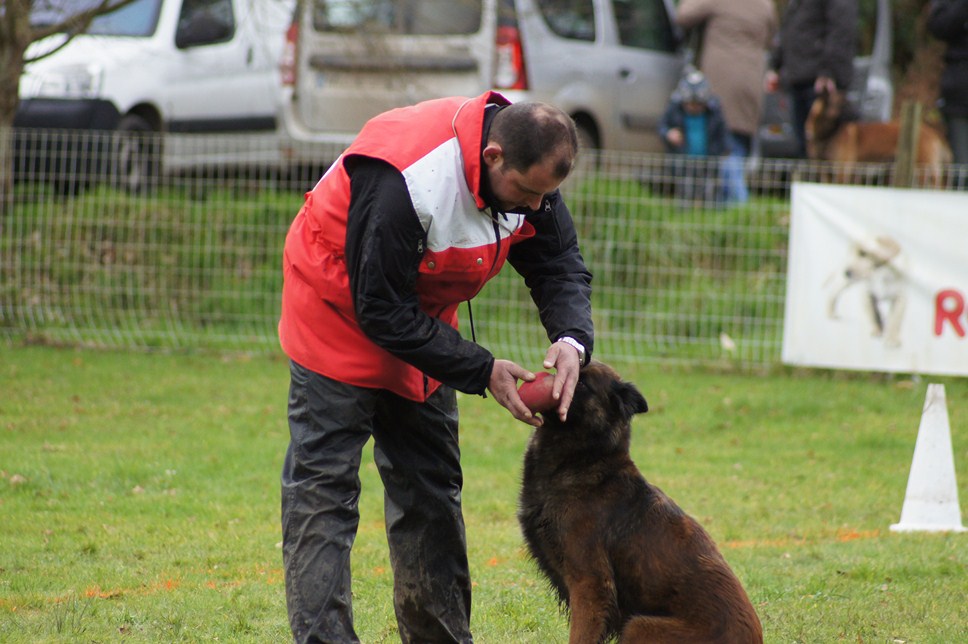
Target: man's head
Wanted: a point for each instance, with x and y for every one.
(531, 148)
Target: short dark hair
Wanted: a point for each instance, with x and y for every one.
(528, 133)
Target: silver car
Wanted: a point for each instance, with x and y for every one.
(611, 64)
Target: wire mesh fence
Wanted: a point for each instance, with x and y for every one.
(189, 255)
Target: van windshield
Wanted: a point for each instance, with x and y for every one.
(408, 17)
(139, 18)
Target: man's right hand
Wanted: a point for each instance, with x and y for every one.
(503, 385)
(824, 84)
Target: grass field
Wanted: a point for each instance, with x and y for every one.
(139, 502)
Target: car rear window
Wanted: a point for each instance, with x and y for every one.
(574, 19)
(644, 24)
(406, 17)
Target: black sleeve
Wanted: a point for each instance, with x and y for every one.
(837, 61)
(384, 245)
(948, 20)
(555, 272)
(668, 120)
(775, 59)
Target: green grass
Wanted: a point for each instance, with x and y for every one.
(139, 502)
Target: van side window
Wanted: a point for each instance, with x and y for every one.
(406, 17)
(204, 22)
(644, 24)
(574, 19)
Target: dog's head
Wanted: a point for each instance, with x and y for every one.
(825, 117)
(868, 256)
(603, 406)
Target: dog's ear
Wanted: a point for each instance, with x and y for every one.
(633, 402)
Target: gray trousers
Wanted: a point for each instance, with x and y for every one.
(417, 453)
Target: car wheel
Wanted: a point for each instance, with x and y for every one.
(137, 154)
(588, 146)
(587, 136)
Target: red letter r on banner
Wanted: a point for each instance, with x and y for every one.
(949, 305)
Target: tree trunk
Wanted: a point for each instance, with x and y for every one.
(15, 35)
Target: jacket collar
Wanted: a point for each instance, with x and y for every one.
(471, 125)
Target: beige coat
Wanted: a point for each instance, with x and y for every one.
(738, 34)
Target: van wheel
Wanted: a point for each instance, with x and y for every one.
(588, 148)
(587, 136)
(137, 154)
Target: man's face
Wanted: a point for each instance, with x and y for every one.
(515, 190)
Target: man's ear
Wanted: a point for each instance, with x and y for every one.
(493, 154)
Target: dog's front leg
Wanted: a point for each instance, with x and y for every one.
(592, 601)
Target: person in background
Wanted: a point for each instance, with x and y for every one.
(420, 211)
(948, 21)
(815, 52)
(693, 127)
(735, 36)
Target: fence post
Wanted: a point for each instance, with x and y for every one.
(6, 172)
(907, 143)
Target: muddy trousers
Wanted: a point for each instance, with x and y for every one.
(415, 448)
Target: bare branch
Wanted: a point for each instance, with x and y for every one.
(73, 25)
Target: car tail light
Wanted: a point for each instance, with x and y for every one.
(509, 71)
(290, 55)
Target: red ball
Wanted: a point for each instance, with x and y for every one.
(537, 393)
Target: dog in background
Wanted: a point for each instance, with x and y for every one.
(623, 557)
(833, 135)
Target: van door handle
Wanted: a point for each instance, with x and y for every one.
(625, 73)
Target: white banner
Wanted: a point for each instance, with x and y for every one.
(877, 280)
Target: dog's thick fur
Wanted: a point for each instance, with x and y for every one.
(833, 136)
(623, 557)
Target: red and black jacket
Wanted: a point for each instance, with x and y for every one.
(399, 232)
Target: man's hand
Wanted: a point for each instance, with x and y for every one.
(564, 359)
(503, 385)
(771, 81)
(824, 84)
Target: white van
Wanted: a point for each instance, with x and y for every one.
(198, 67)
(611, 64)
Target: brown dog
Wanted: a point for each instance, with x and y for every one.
(623, 557)
(832, 136)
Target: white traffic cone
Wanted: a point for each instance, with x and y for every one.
(931, 500)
